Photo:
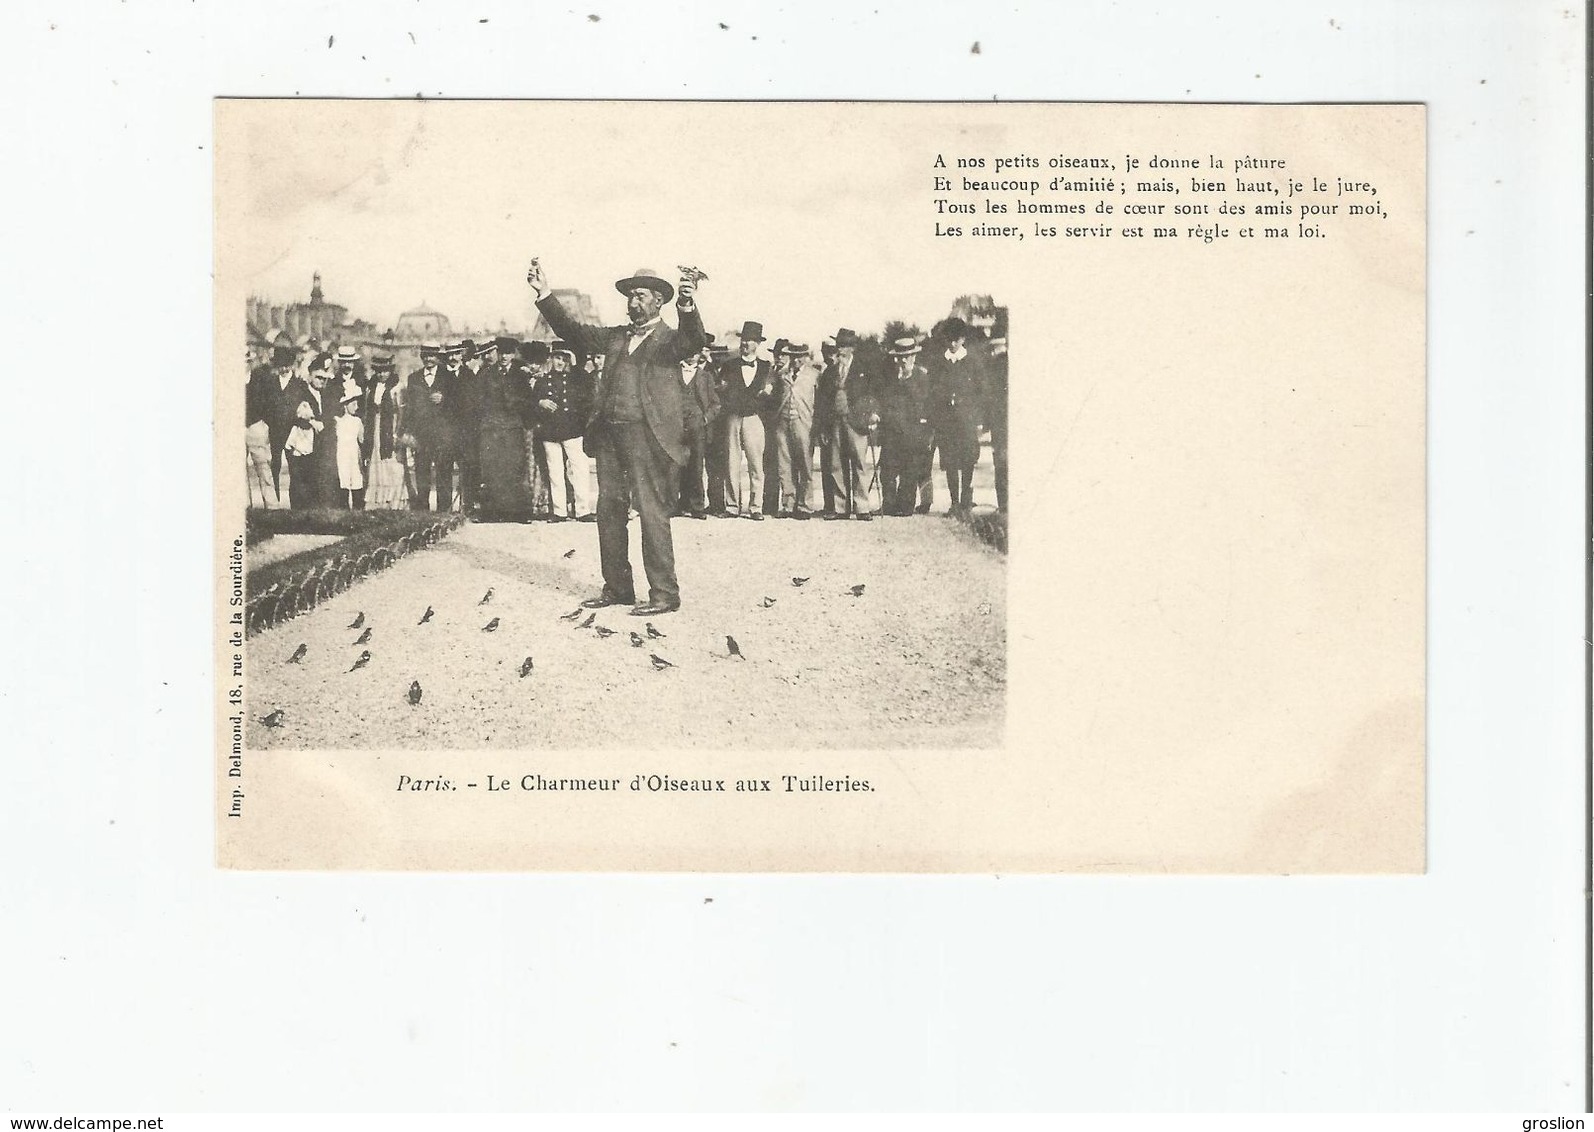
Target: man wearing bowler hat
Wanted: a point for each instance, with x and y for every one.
(905, 437)
(852, 415)
(636, 430)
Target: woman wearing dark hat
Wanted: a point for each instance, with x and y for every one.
(957, 403)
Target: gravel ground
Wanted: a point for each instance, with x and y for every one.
(918, 661)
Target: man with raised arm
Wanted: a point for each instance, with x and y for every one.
(636, 430)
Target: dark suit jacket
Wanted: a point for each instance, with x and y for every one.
(741, 400)
(905, 408)
(702, 402)
(431, 425)
(659, 357)
(855, 402)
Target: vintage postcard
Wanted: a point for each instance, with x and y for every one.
(850, 487)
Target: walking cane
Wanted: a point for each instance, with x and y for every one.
(874, 464)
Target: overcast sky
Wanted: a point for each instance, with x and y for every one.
(806, 217)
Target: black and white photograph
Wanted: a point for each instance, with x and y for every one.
(508, 489)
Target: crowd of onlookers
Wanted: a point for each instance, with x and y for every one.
(494, 428)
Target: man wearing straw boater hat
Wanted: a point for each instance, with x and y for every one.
(905, 438)
(636, 430)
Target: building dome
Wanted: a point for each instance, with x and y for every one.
(422, 322)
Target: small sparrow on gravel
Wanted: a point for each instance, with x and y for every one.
(571, 553)
(572, 615)
(525, 668)
(798, 581)
(415, 692)
(653, 634)
(659, 662)
(274, 719)
(637, 641)
(425, 617)
(364, 638)
(856, 591)
(298, 654)
(486, 597)
(362, 660)
(358, 620)
(767, 602)
(732, 647)
(490, 626)
(587, 624)
(602, 631)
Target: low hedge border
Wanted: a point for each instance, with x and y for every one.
(372, 540)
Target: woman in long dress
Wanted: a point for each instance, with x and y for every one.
(383, 455)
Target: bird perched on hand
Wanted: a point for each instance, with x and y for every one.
(425, 617)
(587, 624)
(486, 597)
(767, 602)
(274, 719)
(798, 581)
(856, 591)
(602, 631)
(732, 647)
(362, 660)
(659, 662)
(525, 668)
(571, 553)
(491, 626)
(364, 638)
(358, 620)
(654, 634)
(415, 692)
(637, 641)
(572, 615)
(298, 654)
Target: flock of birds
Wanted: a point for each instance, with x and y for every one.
(733, 650)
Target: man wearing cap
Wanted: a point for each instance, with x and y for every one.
(852, 416)
(563, 399)
(905, 438)
(746, 390)
(428, 419)
(635, 431)
(796, 386)
(702, 407)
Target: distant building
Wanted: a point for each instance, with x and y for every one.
(298, 322)
(577, 303)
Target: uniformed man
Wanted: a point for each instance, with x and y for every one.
(564, 400)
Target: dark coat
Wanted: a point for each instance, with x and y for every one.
(905, 409)
(855, 403)
(431, 425)
(957, 404)
(381, 416)
(702, 401)
(659, 357)
(738, 399)
(572, 393)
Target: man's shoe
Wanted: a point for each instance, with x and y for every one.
(864, 517)
(831, 516)
(757, 516)
(606, 599)
(655, 608)
(589, 517)
(697, 514)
